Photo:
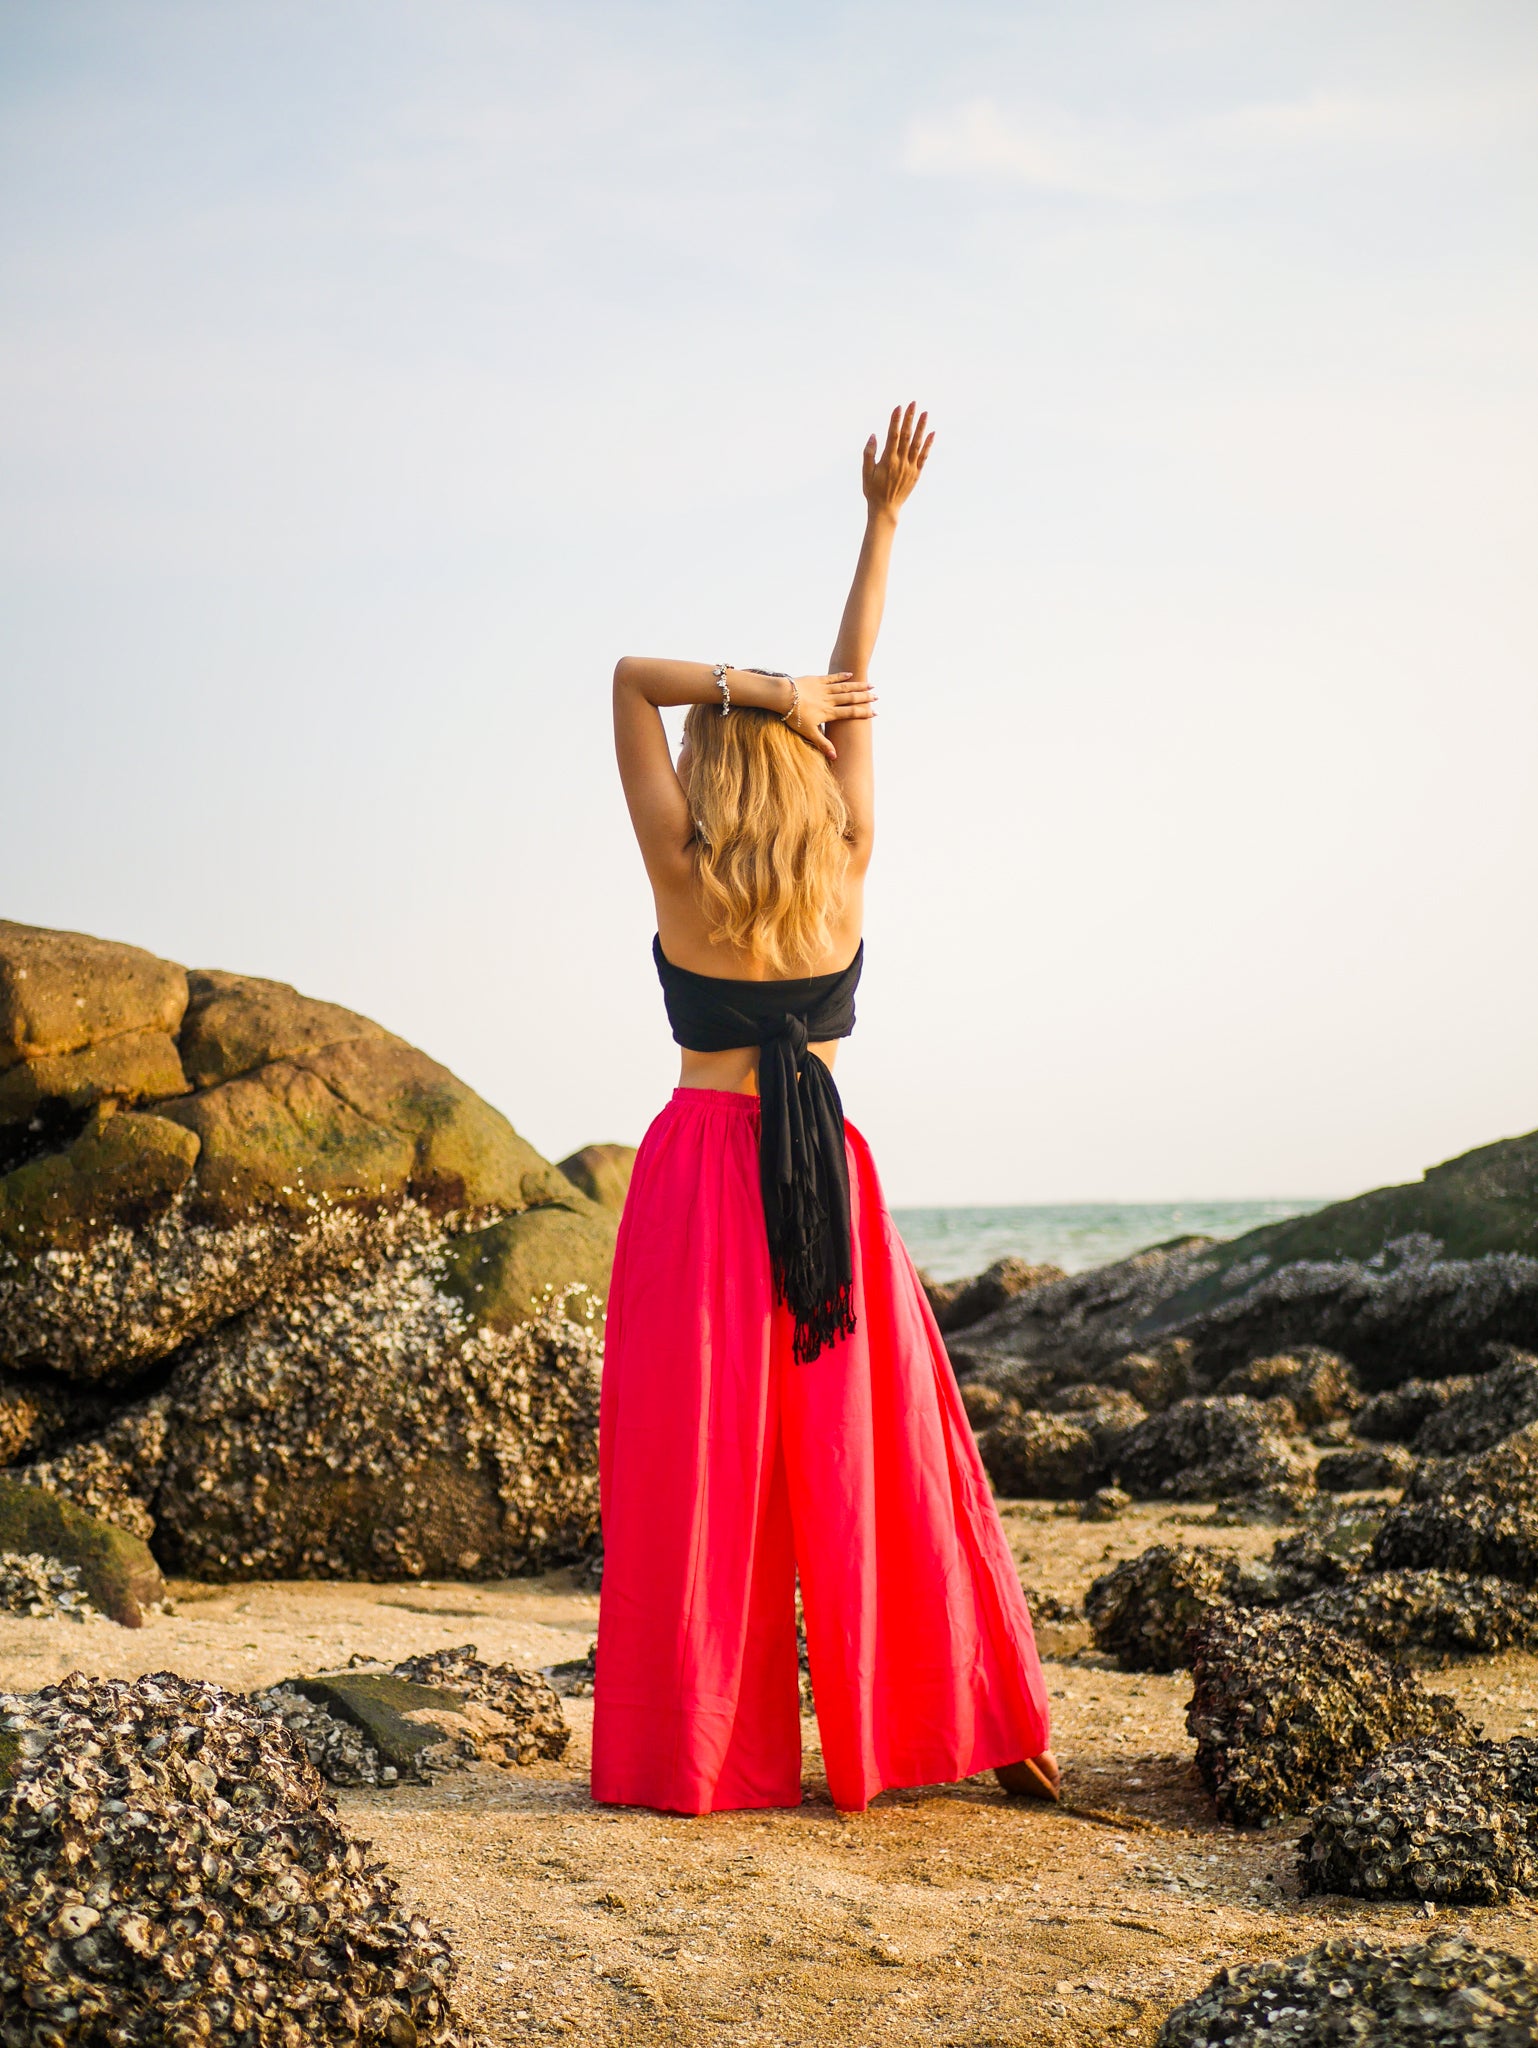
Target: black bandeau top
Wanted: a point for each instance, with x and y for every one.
(801, 1165)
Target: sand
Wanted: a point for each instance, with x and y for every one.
(949, 1917)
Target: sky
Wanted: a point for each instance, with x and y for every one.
(377, 373)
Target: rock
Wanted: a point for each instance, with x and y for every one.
(1366, 1465)
(1453, 1822)
(986, 1405)
(222, 1176)
(602, 1172)
(39, 1587)
(120, 1577)
(1319, 1384)
(502, 1275)
(1109, 1412)
(1212, 1449)
(1156, 1378)
(154, 1832)
(1479, 1537)
(1507, 1473)
(523, 1699)
(62, 991)
(1396, 1415)
(446, 1709)
(1405, 1281)
(1105, 1504)
(1041, 1457)
(957, 1304)
(1495, 1405)
(575, 1678)
(376, 1433)
(1142, 1612)
(338, 1748)
(1448, 1993)
(1433, 1611)
(1336, 1547)
(1284, 1709)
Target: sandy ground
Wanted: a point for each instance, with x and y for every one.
(948, 1917)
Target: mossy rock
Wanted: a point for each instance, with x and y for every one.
(60, 991)
(116, 1569)
(602, 1172)
(137, 1066)
(501, 1274)
(397, 1717)
(122, 1168)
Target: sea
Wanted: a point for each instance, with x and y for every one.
(949, 1244)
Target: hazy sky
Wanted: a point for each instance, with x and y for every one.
(375, 374)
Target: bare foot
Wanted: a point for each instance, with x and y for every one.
(1035, 1778)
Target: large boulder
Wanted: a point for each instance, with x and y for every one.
(1405, 1281)
(302, 1296)
(1218, 1448)
(602, 1172)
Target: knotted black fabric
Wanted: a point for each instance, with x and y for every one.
(801, 1165)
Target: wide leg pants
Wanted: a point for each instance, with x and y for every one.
(726, 1467)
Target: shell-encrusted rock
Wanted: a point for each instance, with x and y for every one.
(1429, 1611)
(1284, 1709)
(1357, 1467)
(341, 1753)
(1036, 1456)
(1491, 1407)
(1396, 1415)
(524, 1700)
(1480, 1537)
(1143, 1610)
(1320, 1384)
(1454, 1822)
(1216, 1449)
(38, 1586)
(1448, 1993)
(174, 1873)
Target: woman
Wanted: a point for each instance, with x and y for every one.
(776, 1396)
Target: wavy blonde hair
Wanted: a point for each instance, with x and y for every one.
(771, 834)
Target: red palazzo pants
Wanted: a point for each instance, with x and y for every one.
(725, 1467)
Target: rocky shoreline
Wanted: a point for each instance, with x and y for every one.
(282, 1300)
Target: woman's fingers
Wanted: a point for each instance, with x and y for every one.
(923, 455)
(891, 433)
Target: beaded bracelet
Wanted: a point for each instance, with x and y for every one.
(718, 674)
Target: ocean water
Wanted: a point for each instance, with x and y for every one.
(951, 1243)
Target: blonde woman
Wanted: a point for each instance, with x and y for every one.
(776, 1396)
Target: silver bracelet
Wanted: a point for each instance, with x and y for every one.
(718, 675)
(795, 701)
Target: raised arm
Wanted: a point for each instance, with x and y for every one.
(888, 481)
(659, 809)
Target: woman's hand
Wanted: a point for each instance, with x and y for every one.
(890, 477)
(828, 700)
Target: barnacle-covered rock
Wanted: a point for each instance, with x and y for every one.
(986, 1405)
(1284, 1709)
(957, 1304)
(174, 1872)
(1396, 1415)
(1320, 1384)
(1143, 1610)
(39, 1586)
(1448, 1993)
(1429, 1611)
(523, 1699)
(1105, 1504)
(1106, 1412)
(1361, 1466)
(1035, 1456)
(1454, 1822)
(372, 1430)
(1491, 1407)
(337, 1747)
(1476, 1536)
(1213, 1449)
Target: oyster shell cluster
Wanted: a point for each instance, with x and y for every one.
(1284, 1709)
(1454, 1822)
(341, 1753)
(1453, 1613)
(1446, 1993)
(1217, 1448)
(1142, 1611)
(37, 1586)
(173, 1873)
